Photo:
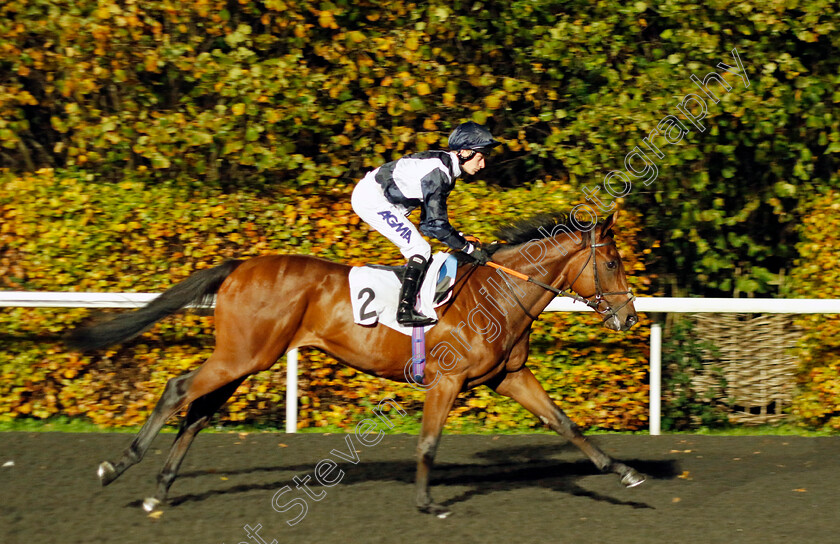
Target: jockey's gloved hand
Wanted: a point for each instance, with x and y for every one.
(477, 254)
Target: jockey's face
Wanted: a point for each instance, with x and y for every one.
(474, 164)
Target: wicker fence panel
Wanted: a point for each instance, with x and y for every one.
(756, 356)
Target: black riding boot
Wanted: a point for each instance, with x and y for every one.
(406, 314)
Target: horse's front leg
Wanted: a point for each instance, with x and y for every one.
(524, 388)
(439, 401)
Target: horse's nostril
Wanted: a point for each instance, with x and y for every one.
(632, 320)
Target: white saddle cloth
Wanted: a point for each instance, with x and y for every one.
(375, 293)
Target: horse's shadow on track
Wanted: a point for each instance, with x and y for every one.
(499, 469)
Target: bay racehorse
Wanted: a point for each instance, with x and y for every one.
(268, 305)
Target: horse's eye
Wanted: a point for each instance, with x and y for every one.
(612, 265)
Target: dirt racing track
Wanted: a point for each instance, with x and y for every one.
(526, 488)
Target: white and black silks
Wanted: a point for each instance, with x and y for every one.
(424, 179)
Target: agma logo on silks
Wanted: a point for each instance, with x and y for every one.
(394, 221)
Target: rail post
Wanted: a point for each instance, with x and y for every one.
(655, 378)
(291, 390)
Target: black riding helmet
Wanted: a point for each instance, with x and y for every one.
(471, 135)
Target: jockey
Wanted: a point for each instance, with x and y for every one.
(386, 195)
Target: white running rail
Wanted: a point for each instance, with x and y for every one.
(31, 299)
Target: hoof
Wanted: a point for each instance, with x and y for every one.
(436, 510)
(106, 473)
(150, 504)
(632, 479)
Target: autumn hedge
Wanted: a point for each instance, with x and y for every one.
(817, 276)
(296, 92)
(62, 233)
(246, 123)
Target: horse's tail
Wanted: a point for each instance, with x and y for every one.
(198, 288)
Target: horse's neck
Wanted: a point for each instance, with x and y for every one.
(552, 268)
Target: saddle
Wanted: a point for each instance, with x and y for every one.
(375, 290)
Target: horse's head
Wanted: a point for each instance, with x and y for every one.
(599, 277)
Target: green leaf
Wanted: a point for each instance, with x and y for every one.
(252, 133)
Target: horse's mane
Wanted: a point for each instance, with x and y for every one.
(531, 228)
(536, 227)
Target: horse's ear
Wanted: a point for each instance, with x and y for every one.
(609, 223)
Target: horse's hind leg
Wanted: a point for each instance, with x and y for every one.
(180, 391)
(171, 401)
(524, 388)
(198, 417)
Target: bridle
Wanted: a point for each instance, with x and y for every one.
(593, 301)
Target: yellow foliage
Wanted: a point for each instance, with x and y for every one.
(64, 232)
(816, 276)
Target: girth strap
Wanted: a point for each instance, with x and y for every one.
(418, 353)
